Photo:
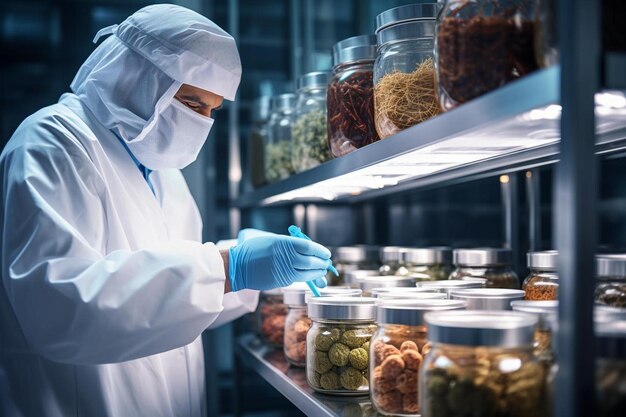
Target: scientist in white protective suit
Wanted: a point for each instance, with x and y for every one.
(106, 285)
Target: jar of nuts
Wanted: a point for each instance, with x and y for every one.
(543, 281)
(298, 323)
(611, 280)
(396, 352)
(337, 356)
(271, 314)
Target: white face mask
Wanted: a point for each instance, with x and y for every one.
(174, 140)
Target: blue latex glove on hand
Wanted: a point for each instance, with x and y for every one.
(272, 261)
(245, 234)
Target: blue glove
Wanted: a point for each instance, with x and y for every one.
(245, 234)
(266, 262)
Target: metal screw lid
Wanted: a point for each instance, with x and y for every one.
(411, 312)
(406, 13)
(341, 308)
(376, 281)
(482, 257)
(415, 30)
(452, 284)
(490, 293)
(351, 277)
(545, 260)
(283, 102)
(354, 254)
(428, 256)
(390, 254)
(481, 328)
(611, 265)
(377, 292)
(296, 294)
(356, 48)
(313, 80)
(426, 295)
(546, 311)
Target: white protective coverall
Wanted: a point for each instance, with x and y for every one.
(106, 287)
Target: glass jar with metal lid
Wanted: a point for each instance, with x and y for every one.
(397, 350)
(448, 286)
(482, 45)
(352, 258)
(350, 278)
(382, 281)
(338, 344)
(297, 322)
(481, 363)
(406, 292)
(271, 314)
(310, 130)
(404, 71)
(278, 164)
(350, 97)
(610, 330)
(426, 264)
(259, 134)
(487, 298)
(547, 316)
(492, 264)
(543, 281)
(611, 280)
(391, 259)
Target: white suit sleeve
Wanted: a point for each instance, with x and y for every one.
(76, 305)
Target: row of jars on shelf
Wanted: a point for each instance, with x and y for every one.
(423, 59)
(416, 352)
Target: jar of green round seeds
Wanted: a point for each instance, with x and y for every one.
(310, 130)
(337, 357)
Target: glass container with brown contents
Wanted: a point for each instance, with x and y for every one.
(271, 314)
(397, 350)
(426, 264)
(482, 45)
(350, 97)
(492, 264)
(337, 355)
(543, 281)
(547, 315)
(611, 280)
(481, 363)
(404, 82)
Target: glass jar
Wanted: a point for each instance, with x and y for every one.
(611, 280)
(547, 316)
(367, 284)
(310, 130)
(487, 298)
(351, 95)
(610, 330)
(278, 164)
(404, 82)
(397, 350)
(337, 357)
(391, 259)
(492, 264)
(297, 322)
(481, 364)
(271, 315)
(446, 287)
(426, 264)
(543, 281)
(352, 258)
(259, 134)
(406, 292)
(546, 42)
(482, 45)
(350, 278)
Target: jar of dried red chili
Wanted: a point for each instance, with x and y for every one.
(351, 95)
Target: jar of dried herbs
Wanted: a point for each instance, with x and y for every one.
(426, 264)
(543, 281)
(481, 364)
(259, 134)
(611, 280)
(404, 87)
(278, 146)
(492, 264)
(310, 130)
(351, 95)
(391, 259)
(482, 45)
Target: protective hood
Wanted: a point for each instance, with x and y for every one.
(133, 75)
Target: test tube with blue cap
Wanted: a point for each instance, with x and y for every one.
(296, 232)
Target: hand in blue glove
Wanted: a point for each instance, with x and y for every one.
(266, 262)
(245, 234)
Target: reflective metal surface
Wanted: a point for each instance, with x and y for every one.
(341, 308)
(544, 261)
(411, 312)
(487, 298)
(482, 257)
